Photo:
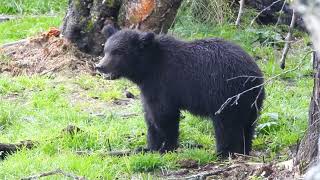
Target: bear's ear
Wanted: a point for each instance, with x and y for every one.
(108, 30)
(146, 39)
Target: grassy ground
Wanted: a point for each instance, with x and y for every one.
(32, 6)
(22, 28)
(32, 17)
(39, 107)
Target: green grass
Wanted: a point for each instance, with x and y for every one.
(32, 6)
(32, 17)
(39, 107)
(27, 26)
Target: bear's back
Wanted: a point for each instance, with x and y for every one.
(197, 70)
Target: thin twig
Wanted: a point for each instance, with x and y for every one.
(236, 97)
(20, 42)
(54, 172)
(241, 2)
(242, 76)
(288, 40)
(204, 175)
(281, 12)
(254, 19)
(118, 153)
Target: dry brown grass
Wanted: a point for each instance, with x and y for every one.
(45, 54)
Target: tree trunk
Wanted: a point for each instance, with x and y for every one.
(308, 152)
(308, 149)
(85, 19)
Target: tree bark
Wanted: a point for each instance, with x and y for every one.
(308, 153)
(308, 148)
(85, 19)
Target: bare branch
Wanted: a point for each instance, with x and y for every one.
(241, 2)
(281, 12)
(236, 97)
(54, 172)
(20, 42)
(288, 40)
(263, 10)
(206, 174)
(119, 153)
(242, 76)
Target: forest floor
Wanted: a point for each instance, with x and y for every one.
(79, 121)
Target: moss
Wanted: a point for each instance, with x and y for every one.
(77, 4)
(110, 3)
(90, 25)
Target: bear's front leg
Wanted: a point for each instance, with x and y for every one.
(163, 127)
(154, 139)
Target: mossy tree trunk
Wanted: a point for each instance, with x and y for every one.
(85, 19)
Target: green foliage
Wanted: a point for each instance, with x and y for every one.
(7, 115)
(146, 162)
(207, 11)
(32, 6)
(18, 84)
(200, 155)
(22, 28)
(39, 107)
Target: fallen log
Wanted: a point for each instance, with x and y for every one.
(7, 149)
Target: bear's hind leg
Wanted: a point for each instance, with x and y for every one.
(250, 129)
(230, 135)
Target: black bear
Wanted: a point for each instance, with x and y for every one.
(209, 77)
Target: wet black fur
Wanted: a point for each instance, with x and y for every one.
(175, 75)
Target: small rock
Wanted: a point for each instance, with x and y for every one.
(129, 95)
(95, 97)
(4, 18)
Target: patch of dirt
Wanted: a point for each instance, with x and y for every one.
(235, 169)
(45, 54)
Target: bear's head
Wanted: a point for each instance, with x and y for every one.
(126, 52)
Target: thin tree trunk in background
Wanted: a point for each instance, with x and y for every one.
(241, 3)
(85, 19)
(308, 153)
(288, 41)
(308, 148)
